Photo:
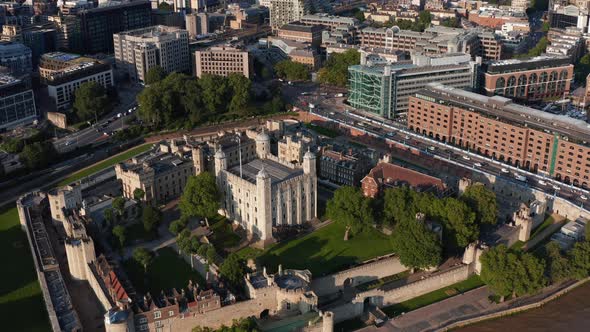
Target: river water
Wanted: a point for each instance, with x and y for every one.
(569, 313)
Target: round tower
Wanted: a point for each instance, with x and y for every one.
(309, 163)
(262, 144)
(220, 162)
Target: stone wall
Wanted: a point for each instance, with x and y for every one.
(58, 119)
(370, 271)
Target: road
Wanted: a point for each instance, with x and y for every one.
(108, 124)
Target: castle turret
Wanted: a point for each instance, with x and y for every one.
(220, 161)
(263, 222)
(199, 161)
(309, 163)
(262, 145)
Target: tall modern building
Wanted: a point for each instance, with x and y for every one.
(384, 89)
(97, 25)
(555, 145)
(17, 102)
(137, 51)
(286, 11)
(16, 57)
(197, 24)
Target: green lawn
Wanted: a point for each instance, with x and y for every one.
(324, 251)
(432, 297)
(322, 130)
(223, 236)
(167, 271)
(20, 294)
(105, 164)
(542, 227)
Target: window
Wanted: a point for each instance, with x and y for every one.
(157, 314)
(143, 320)
(171, 313)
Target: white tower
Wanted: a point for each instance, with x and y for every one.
(309, 163)
(220, 162)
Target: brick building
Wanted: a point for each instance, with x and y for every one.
(496, 127)
(387, 175)
(530, 79)
(297, 31)
(222, 61)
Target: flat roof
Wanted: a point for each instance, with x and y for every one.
(277, 171)
(504, 108)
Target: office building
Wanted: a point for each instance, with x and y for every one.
(494, 18)
(97, 25)
(296, 31)
(161, 175)
(554, 145)
(222, 61)
(286, 11)
(533, 79)
(329, 21)
(68, 32)
(16, 57)
(137, 51)
(343, 166)
(384, 89)
(267, 192)
(63, 73)
(17, 103)
(197, 24)
(435, 40)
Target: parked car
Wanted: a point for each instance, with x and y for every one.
(505, 171)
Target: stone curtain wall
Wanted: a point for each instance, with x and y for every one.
(357, 275)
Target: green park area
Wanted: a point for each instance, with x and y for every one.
(104, 164)
(20, 294)
(322, 130)
(166, 271)
(324, 251)
(435, 296)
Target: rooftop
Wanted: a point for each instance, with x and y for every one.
(504, 108)
(277, 171)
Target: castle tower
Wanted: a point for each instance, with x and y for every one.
(328, 321)
(309, 163)
(310, 185)
(199, 161)
(522, 218)
(220, 162)
(263, 221)
(262, 145)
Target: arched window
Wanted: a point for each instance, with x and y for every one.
(510, 86)
(552, 86)
(543, 82)
(532, 83)
(521, 88)
(562, 80)
(500, 84)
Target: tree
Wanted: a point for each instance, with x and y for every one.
(351, 208)
(512, 273)
(292, 71)
(37, 155)
(359, 15)
(91, 101)
(579, 257)
(240, 86)
(119, 205)
(582, 69)
(202, 251)
(483, 201)
(155, 74)
(200, 197)
(12, 145)
(558, 266)
(164, 6)
(416, 246)
(460, 223)
(151, 218)
(215, 92)
(450, 22)
(211, 254)
(178, 225)
(138, 194)
(183, 241)
(335, 71)
(143, 257)
(108, 216)
(233, 269)
(119, 233)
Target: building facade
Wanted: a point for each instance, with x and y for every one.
(286, 11)
(388, 175)
(97, 25)
(296, 31)
(496, 127)
(16, 57)
(17, 102)
(343, 167)
(384, 89)
(531, 79)
(162, 176)
(222, 61)
(63, 73)
(267, 192)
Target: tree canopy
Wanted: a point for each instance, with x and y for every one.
(483, 201)
(155, 74)
(335, 70)
(37, 155)
(91, 101)
(143, 257)
(416, 246)
(579, 257)
(233, 269)
(509, 272)
(241, 325)
(292, 71)
(119, 233)
(138, 194)
(350, 207)
(119, 205)
(200, 197)
(558, 266)
(423, 21)
(151, 217)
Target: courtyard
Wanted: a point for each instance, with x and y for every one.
(324, 251)
(166, 271)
